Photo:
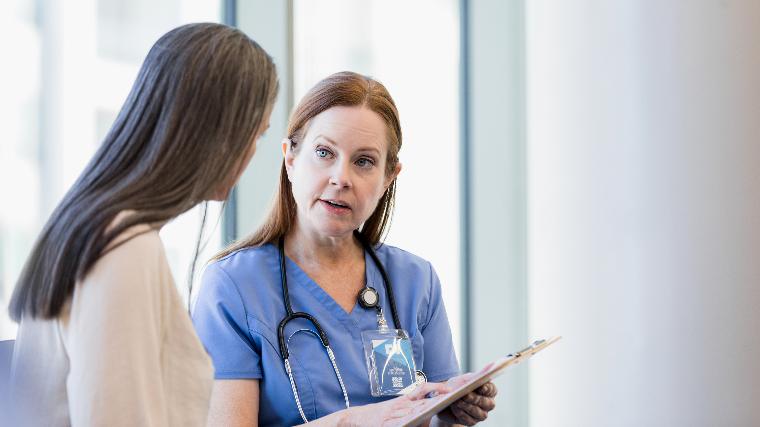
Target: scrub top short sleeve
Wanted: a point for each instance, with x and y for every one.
(240, 304)
(221, 323)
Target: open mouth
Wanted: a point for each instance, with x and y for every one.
(336, 205)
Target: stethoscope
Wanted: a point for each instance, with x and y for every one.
(368, 298)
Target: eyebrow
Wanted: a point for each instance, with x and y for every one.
(363, 149)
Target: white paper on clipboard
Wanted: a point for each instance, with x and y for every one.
(492, 370)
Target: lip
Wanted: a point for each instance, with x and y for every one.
(344, 209)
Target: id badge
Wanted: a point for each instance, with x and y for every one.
(390, 361)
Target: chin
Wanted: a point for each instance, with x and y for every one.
(334, 230)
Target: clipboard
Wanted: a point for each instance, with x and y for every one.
(492, 370)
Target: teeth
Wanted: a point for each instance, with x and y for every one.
(335, 204)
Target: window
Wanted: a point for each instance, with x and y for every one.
(72, 69)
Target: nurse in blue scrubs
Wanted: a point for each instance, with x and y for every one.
(316, 253)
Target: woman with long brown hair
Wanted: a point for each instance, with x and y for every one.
(104, 338)
(312, 317)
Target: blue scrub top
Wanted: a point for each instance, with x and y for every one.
(240, 305)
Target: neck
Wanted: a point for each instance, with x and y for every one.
(306, 247)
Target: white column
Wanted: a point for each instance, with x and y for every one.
(644, 212)
(497, 278)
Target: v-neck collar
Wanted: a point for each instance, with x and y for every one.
(352, 321)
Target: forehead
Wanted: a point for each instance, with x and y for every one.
(356, 124)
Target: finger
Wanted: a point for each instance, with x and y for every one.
(423, 390)
(398, 412)
(462, 417)
(483, 402)
(407, 409)
(488, 390)
(459, 380)
(471, 398)
(398, 408)
(473, 411)
(486, 403)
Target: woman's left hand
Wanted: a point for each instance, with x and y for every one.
(473, 407)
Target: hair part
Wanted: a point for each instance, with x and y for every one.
(201, 95)
(347, 89)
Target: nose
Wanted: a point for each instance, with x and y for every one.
(340, 175)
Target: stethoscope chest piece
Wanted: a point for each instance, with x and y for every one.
(392, 345)
(368, 297)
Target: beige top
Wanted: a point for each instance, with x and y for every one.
(124, 352)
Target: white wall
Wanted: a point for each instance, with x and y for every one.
(644, 212)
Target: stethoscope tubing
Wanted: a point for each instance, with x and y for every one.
(290, 315)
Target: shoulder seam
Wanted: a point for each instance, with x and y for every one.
(231, 254)
(237, 291)
(391, 248)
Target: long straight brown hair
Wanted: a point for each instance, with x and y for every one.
(201, 95)
(347, 89)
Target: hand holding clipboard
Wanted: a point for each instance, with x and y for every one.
(436, 404)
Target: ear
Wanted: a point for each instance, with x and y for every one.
(389, 179)
(287, 153)
(285, 146)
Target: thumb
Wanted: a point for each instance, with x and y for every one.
(460, 380)
(436, 388)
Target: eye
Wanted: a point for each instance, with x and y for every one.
(365, 162)
(322, 153)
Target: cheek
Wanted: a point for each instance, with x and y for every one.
(374, 192)
(304, 180)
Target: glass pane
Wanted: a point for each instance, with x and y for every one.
(72, 69)
(413, 49)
